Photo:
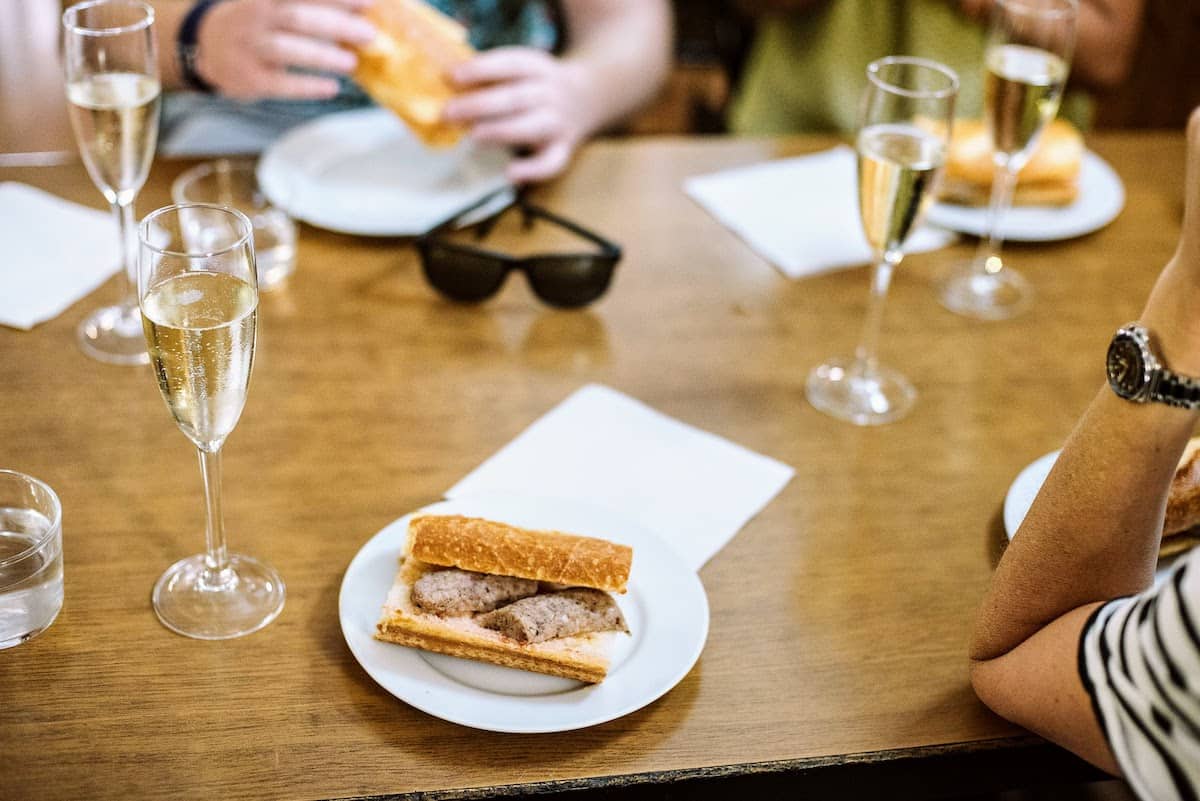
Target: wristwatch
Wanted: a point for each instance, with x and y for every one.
(186, 45)
(1136, 373)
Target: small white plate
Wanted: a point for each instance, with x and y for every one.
(1101, 198)
(665, 606)
(364, 172)
(1024, 489)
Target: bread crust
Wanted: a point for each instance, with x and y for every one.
(486, 546)
(1046, 193)
(583, 658)
(1183, 499)
(405, 68)
(1050, 177)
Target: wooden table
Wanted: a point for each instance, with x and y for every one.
(836, 660)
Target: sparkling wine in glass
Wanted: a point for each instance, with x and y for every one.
(199, 307)
(113, 97)
(904, 126)
(1027, 59)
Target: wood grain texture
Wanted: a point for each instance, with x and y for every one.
(840, 615)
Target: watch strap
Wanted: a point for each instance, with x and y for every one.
(187, 44)
(1176, 390)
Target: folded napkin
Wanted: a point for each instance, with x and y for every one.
(800, 214)
(693, 489)
(55, 252)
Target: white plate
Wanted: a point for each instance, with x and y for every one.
(1024, 489)
(363, 172)
(666, 609)
(1101, 198)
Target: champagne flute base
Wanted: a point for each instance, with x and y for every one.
(845, 391)
(114, 335)
(972, 291)
(191, 601)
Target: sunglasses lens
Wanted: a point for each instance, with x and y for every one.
(461, 275)
(570, 281)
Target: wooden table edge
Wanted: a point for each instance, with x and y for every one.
(947, 770)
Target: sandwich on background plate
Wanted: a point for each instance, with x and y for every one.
(1181, 528)
(489, 591)
(406, 68)
(1049, 178)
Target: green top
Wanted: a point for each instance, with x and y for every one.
(807, 69)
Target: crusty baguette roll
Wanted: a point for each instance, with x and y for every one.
(405, 68)
(1183, 500)
(485, 546)
(437, 543)
(582, 658)
(1049, 178)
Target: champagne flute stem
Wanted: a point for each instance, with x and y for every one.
(123, 211)
(217, 574)
(1004, 183)
(866, 355)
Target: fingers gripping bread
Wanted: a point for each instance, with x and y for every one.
(405, 68)
(485, 546)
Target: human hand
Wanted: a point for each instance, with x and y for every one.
(1173, 309)
(526, 99)
(976, 9)
(247, 48)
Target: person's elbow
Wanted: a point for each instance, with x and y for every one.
(989, 686)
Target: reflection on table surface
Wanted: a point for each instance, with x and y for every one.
(836, 657)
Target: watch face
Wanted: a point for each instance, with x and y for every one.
(1126, 367)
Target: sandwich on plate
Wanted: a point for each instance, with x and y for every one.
(406, 67)
(1049, 178)
(1181, 528)
(534, 600)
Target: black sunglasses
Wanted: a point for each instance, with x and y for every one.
(469, 273)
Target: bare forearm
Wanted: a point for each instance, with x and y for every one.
(1109, 31)
(1107, 38)
(1093, 532)
(620, 53)
(168, 16)
(1094, 529)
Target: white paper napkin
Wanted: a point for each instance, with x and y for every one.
(690, 487)
(55, 252)
(800, 214)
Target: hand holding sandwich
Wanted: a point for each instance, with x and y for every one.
(544, 106)
(526, 99)
(252, 49)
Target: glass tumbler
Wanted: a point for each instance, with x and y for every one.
(31, 573)
(233, 183)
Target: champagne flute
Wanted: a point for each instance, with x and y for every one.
(198, 292)
(1028, 55)
(904, 126)
(113, 96)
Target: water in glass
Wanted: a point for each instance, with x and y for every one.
(31, 575)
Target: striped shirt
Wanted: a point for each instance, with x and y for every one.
(1139, 659)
